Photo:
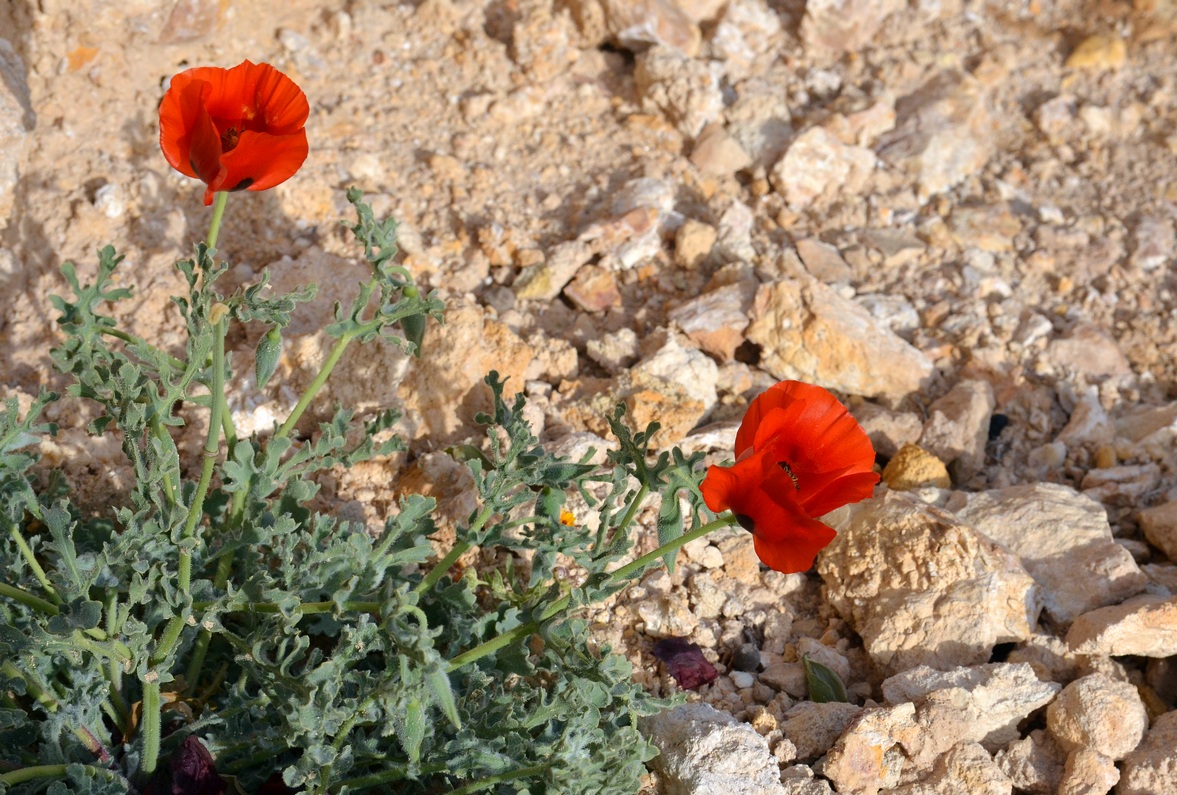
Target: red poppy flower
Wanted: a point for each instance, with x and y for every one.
(799, 454)
(234, 129)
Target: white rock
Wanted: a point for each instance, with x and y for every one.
(680, 87)
(715, 320)
(1145, 626)
(1063, 540)
(1154, 242)
(708, 752)
(871, 754)
(1118, 485)
(1100, 714)
(693, 371)
(922, 588)
(942, 132)
(990, 699)
(1088, 772)
(817, 166)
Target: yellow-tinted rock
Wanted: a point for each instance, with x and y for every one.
(913, 467)
(1098, 52)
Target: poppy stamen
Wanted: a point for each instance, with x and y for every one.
(789, 471)
(229, 139)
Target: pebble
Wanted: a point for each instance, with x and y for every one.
(913, 467)
(1101, 52)
(717, 153)
(17, 121)
(844, 25)
(1145, 626)
(1100, 714)
(638, 24)
(1151, 768)
(680, 87)
(1159, 524)
(957, 428)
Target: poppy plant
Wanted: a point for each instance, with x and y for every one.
(234, 129)
(799, 455)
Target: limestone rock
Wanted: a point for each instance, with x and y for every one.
(811, 333)
(813, 728)
(967, 769)
(544, 281)
(1063, 540)
(638, 24)
(1100, 714)
(693, 242)
(823, 261)
(958, 427)
(1145, 626)
(913, 468)
(1090, 351)
(715, 320)
(16, 122)
(708, 752)
(1152, 767)
(1160, 527)
(1154, 241)
(680, 87)
(990, 699)
(1088, 772)
(717, 153)
(1098, 53)
(1034, 764)
(818, 167)
(869, 756)
(844, 25)
(943, 132)
(922, 588)
(444, 389)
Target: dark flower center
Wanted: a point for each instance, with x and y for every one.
(229, 139)
(745, 522)
(789, 471)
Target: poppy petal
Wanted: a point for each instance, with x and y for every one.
(265, 160)
(796, 550)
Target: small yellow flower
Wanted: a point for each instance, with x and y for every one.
(567, 518)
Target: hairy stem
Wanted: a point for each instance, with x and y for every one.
(214, 226)
(313, 390)
(27, 599)
(23, 774)
(152, 720)
(26, 552)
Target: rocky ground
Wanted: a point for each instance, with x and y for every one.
(961, 215)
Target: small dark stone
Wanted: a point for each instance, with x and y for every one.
(746, 658)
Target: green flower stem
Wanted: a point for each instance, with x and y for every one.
(39, 693)
(114, 670)
(21, 775)
(634, 507)
(490, 781)
(27, 553)
(211, 448)
(115, 651)
(27, 599)
(313, 390)
(623, 573)
(214, 226)
(152, 720)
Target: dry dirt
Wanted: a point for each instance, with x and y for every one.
(1014, 220)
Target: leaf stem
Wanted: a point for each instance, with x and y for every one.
(27, 599)
(27, 553)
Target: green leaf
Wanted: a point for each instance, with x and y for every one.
(438, 682)
(824, 685)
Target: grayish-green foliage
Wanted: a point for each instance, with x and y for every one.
(310, 646)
